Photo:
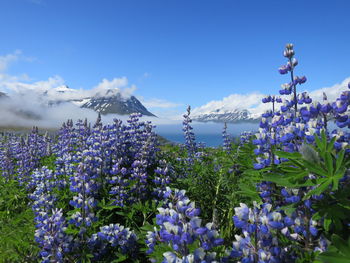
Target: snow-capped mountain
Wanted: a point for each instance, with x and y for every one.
(235, 115)
(108, 101)
(234, 108)
(115, 104)
(249, 107)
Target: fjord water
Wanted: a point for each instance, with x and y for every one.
(208, 133)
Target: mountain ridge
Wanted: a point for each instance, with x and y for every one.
(110, 101)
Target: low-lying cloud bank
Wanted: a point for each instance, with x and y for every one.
(252, 102)
(27, 111)
(28, 103)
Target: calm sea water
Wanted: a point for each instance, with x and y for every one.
(208, 133)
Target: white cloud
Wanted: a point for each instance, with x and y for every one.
(16, 86)
(115, 83)
(30, 98)
(159, 103)
(9, 58)
(110, 87)
(332, 92)
(252, 102)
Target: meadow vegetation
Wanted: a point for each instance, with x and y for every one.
(113, 193)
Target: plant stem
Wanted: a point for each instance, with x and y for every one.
(294, 87)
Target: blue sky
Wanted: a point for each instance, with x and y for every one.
(182, 52)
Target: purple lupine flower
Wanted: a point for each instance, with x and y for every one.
(52, 238)
(180, 227)
(227, 139)
(190, 141)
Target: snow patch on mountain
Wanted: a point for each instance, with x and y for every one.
(236, 107)
(242, 107)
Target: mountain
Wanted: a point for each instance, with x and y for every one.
(116, 104)
(3, 95)
(232, 116)
(108, 101)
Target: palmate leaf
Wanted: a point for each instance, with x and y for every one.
(329, 163)
(315, 169)
(332, 213)
(288, 155)
(320, 145)
(330, 145)
(339, 160)
(324, 183)
(249, 191)
(279, 180)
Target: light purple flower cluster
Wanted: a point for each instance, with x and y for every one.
(7, 156)
(28, 152)
(227, 139)
(245, 137)
(180, 227)
(50, 222)
(42, 182)
(258, 226)
(132, 173)
(265, 228)
(298, 119)
(51, 236)
(84, 187)
(190, 140)
(112, 236)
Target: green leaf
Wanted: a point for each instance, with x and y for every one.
(320, 189)
(288, 209)
(330, 145)
(339, 161)
(319, 143)
(339, 174)
(341, 245)
(279, 180)
(329, 163)
(315, 169)
(288, 155)
(327, 223)
(120, 258)
(324, 140)
(290, 169)
(333, 257)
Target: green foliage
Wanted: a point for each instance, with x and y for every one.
(339, 251)
(326, 173)
(16, 224)
(248, 177)
(320, 168)
(334, 209)
(49, 162)
(217, 182)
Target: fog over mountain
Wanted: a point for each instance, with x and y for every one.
(248, 107)
(49, 103)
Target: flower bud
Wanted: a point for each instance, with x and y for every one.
(294, 62)
(289, 46)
